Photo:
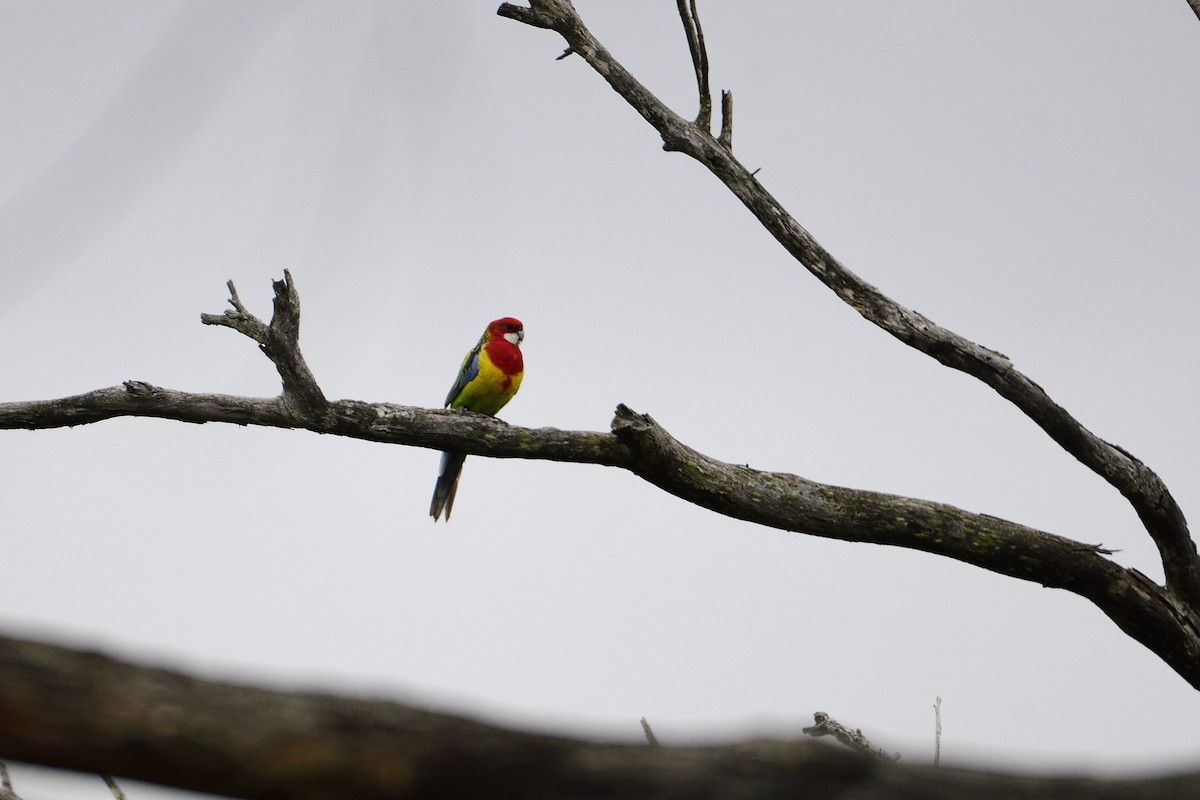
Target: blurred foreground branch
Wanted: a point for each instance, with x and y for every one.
(86, 711)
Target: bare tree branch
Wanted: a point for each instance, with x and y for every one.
(6, 787)
(85, 711)
(651, 739)
(280, 341)
(111, 783)
(440, 429)
(937, 731)
(1140, 485)
(695, 40)
(726, 137)
(1143, 610)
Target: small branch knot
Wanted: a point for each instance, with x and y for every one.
(627, 423)
(141, 388)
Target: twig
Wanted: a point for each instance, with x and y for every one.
(239, 318)
(937, 732)
(112, 785)
(726, 137)
(650, 737)
(855, 740)
(6, 788)
(699, 53)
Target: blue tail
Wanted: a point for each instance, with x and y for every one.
(447, 485)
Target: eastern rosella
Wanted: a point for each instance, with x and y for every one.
(490, 375)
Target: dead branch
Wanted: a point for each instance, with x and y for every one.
(1142, 609)
(6, 787)
(111, 783)
(726, 136)
(85, 711)
(699, 53)
(280, 341)
(1141, 486)
(937, 732)
(651, 739)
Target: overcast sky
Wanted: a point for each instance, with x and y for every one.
(1024, 173)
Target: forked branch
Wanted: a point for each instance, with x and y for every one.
(1141, 486)
(280, 341)
(699, 52)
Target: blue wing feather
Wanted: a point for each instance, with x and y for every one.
(467, 372)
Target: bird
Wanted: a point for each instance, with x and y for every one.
(488, 378)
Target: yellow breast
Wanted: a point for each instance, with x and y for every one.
(490, 389)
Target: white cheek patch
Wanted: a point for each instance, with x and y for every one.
(513, 338)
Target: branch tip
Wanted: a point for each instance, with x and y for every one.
(695, 39)
(726, 136)
(526, 15)
(234, 300)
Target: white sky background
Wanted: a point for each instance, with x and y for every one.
(1025, 174)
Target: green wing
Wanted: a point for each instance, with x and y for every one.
(467, 372)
